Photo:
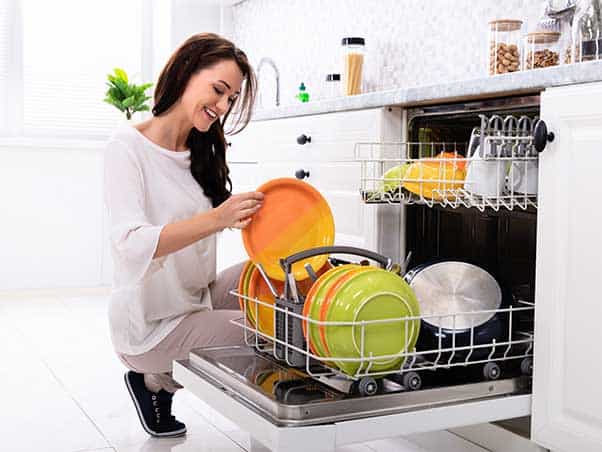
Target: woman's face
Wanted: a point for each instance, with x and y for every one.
(210, 93)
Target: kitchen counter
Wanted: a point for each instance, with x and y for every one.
(500, 85)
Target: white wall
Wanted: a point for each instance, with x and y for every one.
(51, 222)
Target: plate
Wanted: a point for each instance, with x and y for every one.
(372, 295)
(432, 179)
(294, 217)
(264, 315)
(243, 287)
(258, 288)
(311, 309)
(328, 297)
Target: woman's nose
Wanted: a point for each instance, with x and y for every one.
(222, 105)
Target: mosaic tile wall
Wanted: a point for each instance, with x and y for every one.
(408, 42)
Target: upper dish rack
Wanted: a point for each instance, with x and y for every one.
(497, 168)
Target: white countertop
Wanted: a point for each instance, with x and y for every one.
(518, 82)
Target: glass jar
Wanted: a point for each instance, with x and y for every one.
(504, 46)
(332, 87)
(587, 31)
(542, 49)
(353, 62)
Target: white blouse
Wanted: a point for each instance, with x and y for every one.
(145, 188)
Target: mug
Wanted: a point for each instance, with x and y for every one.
(523, 177)
(485, 177)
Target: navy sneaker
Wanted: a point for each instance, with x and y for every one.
(154, 409)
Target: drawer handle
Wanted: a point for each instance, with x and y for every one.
(229, 143)
(301, 174)
(302, 139)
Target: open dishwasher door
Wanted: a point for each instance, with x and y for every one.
(286, 410)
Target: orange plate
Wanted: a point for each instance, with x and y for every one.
(330, 295)
(294, 217)
(259, 289)
(242, 289)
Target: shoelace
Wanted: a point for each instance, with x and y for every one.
(162, 406)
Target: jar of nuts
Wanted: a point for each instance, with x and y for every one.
(504, 46)
(542, 49)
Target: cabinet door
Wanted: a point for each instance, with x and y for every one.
(567, 391)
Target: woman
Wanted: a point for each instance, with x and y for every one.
(168, 192)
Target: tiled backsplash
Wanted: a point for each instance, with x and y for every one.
(408, 42)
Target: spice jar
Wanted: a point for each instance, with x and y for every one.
(332, 87)
(353, 62)
(504, 46)
(542, 49)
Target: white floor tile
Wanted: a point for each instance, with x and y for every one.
(214, 442)
(44, 416)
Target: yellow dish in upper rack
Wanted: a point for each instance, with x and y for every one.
(434, 179)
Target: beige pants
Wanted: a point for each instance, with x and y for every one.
(199, 329)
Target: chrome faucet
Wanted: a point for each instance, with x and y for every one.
(270, 62)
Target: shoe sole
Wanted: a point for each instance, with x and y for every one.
(173, 434)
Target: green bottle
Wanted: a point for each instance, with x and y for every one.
(303, 95)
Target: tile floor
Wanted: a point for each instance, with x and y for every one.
(63, 388)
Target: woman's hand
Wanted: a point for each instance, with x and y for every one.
(238, 210)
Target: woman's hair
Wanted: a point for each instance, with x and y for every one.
(207, 149)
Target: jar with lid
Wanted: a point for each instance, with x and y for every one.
(332, 87)
(353, 63)
(587, 31)
(504, 46)
(542, 49)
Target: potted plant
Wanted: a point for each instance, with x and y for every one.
(127, 97)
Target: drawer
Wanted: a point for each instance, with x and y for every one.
(247, 145)
(244, 176)
(330, 137)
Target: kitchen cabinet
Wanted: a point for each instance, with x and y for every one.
(566, 387)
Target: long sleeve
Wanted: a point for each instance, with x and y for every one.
(133, 238)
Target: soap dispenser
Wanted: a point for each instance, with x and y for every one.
(303, 95)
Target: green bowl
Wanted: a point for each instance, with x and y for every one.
(372, 295)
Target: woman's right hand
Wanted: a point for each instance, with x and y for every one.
(238, 210)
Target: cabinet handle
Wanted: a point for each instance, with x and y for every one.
(302, 139)
(301, 174)
(229, 143)
(541, 137)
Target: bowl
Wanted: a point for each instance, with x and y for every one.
(371, 295)
(466, 290)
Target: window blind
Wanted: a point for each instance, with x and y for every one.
(66, 61)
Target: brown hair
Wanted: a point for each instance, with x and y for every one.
(207, 149)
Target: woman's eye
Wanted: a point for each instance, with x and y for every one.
(218, 91)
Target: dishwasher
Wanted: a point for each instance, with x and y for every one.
(289, 398)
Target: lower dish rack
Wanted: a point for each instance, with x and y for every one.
(450, 354)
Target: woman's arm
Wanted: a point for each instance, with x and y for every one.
(235, 212)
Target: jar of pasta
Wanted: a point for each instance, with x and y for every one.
(353, 65)
(504, 46)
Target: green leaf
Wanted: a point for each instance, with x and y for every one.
(127, 103)
(121, 74)
(115, 103)
(143, 108)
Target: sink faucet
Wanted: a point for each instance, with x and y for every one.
(270, 62)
